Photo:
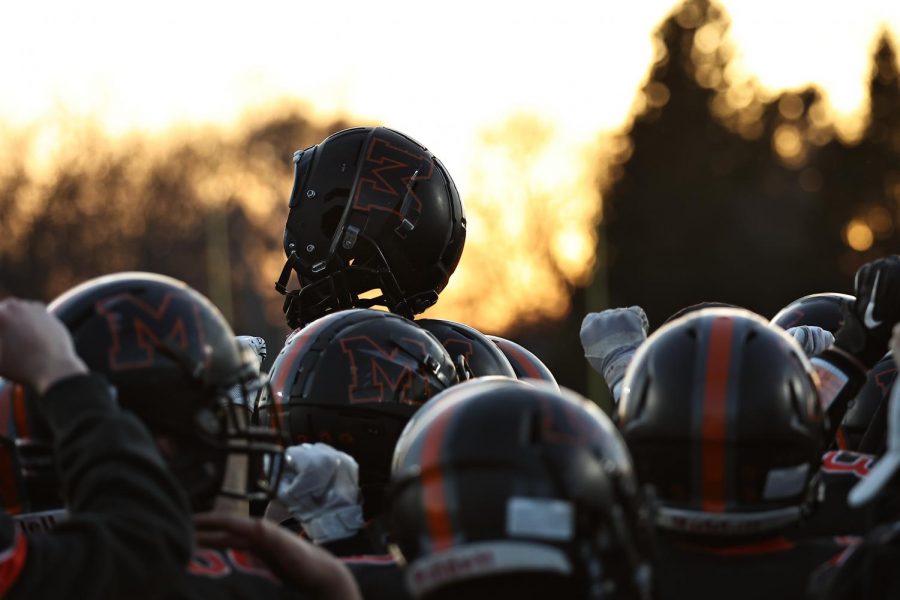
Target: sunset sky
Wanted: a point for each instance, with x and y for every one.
(450, 74)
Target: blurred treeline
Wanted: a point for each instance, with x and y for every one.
(204, 206)
(714, 192)
(718, 193)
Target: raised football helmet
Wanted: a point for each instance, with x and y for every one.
(721, 414)
(473, 353)
(371, 209)
(173, 359)
(352, 379)
(822, 310)
(28, 479)
(505, 486)
(523, 361)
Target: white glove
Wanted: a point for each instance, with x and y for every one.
(320, 488)
(610, 339)
(249, 346)
(257, 344)
(812, 339)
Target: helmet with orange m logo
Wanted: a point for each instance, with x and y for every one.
(352, 380)
(371, 209)
(175, 363)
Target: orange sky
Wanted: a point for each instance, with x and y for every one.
(510, 95)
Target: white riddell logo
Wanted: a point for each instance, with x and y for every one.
(870, 322)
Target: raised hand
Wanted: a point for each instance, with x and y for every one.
(35, 347)
(870, 319)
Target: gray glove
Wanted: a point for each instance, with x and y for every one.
(812, 339)
(257, 344)
(320, 488)
(610, 339)
(253, 350)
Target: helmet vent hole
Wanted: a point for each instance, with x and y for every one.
(330, 220)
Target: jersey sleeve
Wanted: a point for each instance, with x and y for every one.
(128, 534)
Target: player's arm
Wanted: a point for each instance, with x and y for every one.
(863, 338)
(129, 530)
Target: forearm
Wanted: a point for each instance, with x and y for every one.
(128, 533)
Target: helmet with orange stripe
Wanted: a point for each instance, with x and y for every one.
(352, 379)
(474, 355)
(721, 413)
(523, 361)
(503, 488)
(28, 479)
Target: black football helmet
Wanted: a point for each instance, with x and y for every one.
(28, 479)
(861, 430)
(473, 353)
(174, 360)
(506, 486)
(371, 209)
(821, 310)
(352, 379)
(523, 361)
(721, 413)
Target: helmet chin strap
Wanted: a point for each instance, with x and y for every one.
(335, 291)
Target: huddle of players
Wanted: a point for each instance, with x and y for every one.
(720, 476)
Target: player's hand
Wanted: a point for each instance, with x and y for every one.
(320, 487)
(869, 320)
(254, 343)
(300, 564)
(812, 339)
(35, 347)
(610, 338)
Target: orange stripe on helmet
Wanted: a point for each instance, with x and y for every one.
(522, 361)
(434, 488)
(715, 392)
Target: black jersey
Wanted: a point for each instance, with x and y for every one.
(377, 574)
(839, 472)
(127, 534)
(230, 574)
(771, 569)
(866, 570)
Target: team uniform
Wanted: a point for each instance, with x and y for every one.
(839, 471)
(867, 569)
(127, 532)
(772, 568)
(377, 574)
(227, 574)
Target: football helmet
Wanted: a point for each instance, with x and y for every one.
(523, 361)
(352, 379)
(174, 362)
(473, 353)
(721, 414)
(371, 209)
(28, 479)
(822, 310)
(505, 484)
(859, 423)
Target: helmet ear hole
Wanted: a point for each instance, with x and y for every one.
(330, 221)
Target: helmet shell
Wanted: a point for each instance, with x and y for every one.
(371, 208)
(721, 413)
